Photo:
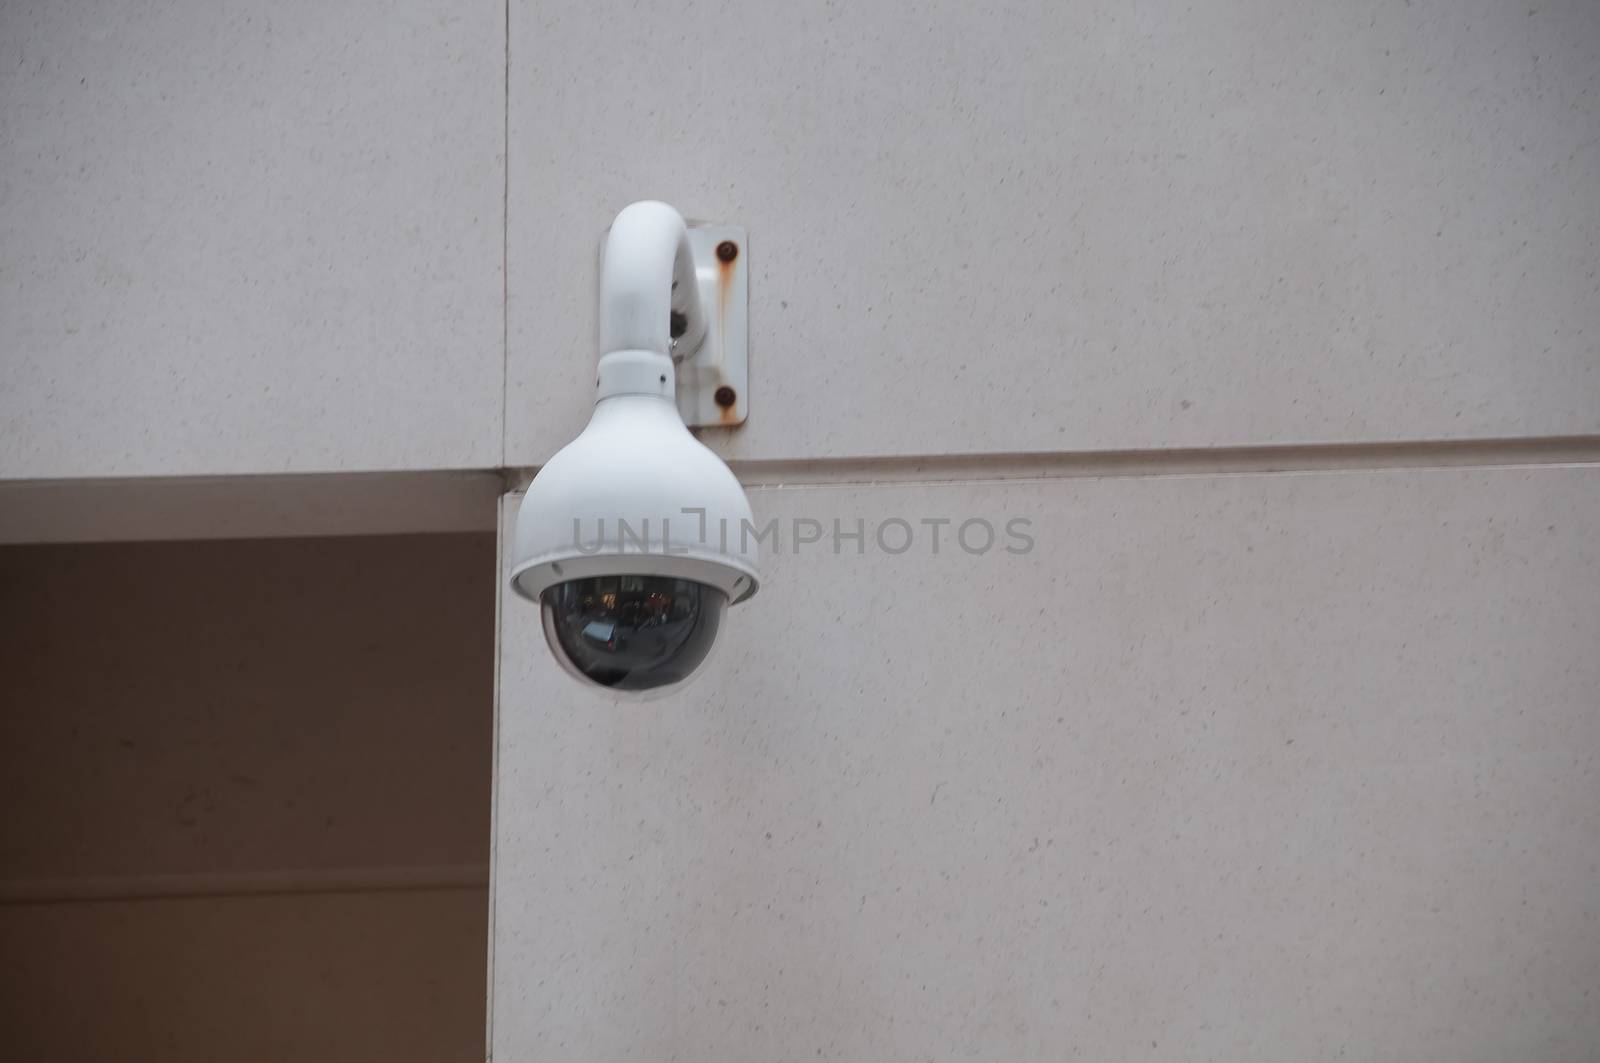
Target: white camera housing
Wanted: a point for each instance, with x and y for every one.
(635, 494)
(635, 537)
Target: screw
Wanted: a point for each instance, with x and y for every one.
(725, 397)
(727, 251)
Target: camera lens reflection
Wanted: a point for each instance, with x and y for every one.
(632, 632)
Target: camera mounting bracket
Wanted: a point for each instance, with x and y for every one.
(714, 377)
(681, 291)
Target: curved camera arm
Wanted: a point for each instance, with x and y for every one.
(647, 289)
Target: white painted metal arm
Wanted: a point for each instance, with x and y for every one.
(672, 309)
(646, 277)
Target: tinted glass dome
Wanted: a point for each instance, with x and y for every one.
(632, 632)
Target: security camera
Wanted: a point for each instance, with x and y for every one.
(633, 538)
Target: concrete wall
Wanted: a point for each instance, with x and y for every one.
(237, 239)
(1044, 226)
(1264, 754)
(247, 798)
(1228, 767)
(329, 239)
(1278, 321)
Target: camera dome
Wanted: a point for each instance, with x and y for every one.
(631, 633)
(635, 537)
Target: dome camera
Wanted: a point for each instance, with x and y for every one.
(633, 538)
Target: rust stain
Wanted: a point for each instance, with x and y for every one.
(727, 257)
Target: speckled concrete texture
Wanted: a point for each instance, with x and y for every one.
(1252, 767)
(247, 238)
(997, 227)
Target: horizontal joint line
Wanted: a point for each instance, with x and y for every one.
(242, 884)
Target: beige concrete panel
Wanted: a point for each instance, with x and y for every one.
(1234, 767)
(237, 238)
(1044, 226)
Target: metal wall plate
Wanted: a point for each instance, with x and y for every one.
(713, 381)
